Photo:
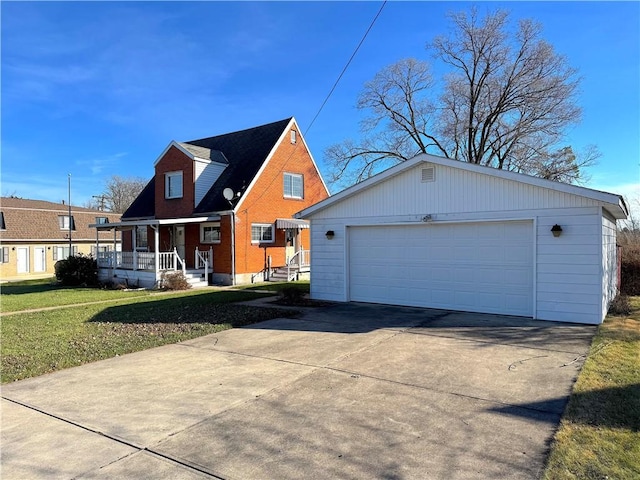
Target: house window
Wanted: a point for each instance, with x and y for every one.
(102, 220)
(293, 136)
(293, 186)
(5, 255)
(261, 233)
(3, 226)
(173, 185)
(63, 221)
(62, 253)
(210, 232)
(141, 238)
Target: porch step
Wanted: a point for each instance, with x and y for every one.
(196, 278)
(281, 275)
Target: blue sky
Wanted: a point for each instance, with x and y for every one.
(96, 89)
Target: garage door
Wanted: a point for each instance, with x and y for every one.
(476, 267)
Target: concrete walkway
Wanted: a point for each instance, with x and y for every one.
(348, 391)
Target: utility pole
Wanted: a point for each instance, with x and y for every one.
(101, 199)
(70, 218)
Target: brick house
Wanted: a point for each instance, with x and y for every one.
(34, 235)
(220, 209)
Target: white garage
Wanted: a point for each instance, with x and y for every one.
(433, 232)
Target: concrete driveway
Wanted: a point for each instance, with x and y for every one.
(347, 391)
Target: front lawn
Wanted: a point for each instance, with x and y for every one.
(41, 342)
(43, 293)
(599, 435)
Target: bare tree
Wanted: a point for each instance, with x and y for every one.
(505, 102)
(629, 229)
(119, 193)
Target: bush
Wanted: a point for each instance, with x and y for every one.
(77, 270)
(291, 295)
(620, 305)
(630, 270)
(174, 281)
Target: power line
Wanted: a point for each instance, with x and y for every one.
(346, 66)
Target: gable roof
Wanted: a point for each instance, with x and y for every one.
(38, 220)
(246, 151)
(616, 204)
(243, 151)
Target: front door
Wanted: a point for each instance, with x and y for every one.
(180, 242)
(290, 245)
(23, 259)
(39, 264)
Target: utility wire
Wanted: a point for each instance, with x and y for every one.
(346, 66)
(323, 103)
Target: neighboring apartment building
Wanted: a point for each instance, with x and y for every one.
(34, 235)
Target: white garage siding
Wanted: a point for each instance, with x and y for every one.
(479, 267)
(569, 277)
(573, 277)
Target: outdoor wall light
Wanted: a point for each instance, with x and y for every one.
(330, 234)
(556, 230)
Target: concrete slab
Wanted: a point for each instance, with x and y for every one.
(144, 397)
(309, 342)
(145, 466)
(348, 391)
(507, 374)
(334, 425)
(36, 445)
(563, 337)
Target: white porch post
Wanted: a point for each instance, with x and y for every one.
(156, 250)
(134, 236)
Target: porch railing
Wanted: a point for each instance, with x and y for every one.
(141, 260)
(204, 259)
(302, 258)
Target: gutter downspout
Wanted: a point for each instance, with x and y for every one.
(233, 247)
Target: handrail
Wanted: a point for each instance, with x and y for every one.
(204, 257)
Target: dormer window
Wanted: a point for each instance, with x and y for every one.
(293, 136)
(63, 221)
(102, 220)
(173, 185)
(3, 226)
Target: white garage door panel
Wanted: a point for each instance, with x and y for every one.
(481, 267)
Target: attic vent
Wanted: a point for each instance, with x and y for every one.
(429, 174)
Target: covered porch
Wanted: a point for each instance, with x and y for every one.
(143, 266)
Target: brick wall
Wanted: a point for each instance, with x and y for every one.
(174, 160)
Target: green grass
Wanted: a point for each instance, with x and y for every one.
(36, 343)
(599, 435)
(43, 293)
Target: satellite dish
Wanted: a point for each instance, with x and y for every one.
(228, 194)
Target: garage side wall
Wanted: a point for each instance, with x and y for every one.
(609, 262)
(568, 273)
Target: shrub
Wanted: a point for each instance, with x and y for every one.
(620, 305)
(291, 295)
(77, 270)
(630, 270)
(174, 281)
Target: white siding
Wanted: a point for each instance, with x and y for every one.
(609, 262)
(453, 191)
(328, 279)
(569, 280)
(206, 174)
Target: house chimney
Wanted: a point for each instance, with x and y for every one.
(63, 202)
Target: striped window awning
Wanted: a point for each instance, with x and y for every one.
(291, 223)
